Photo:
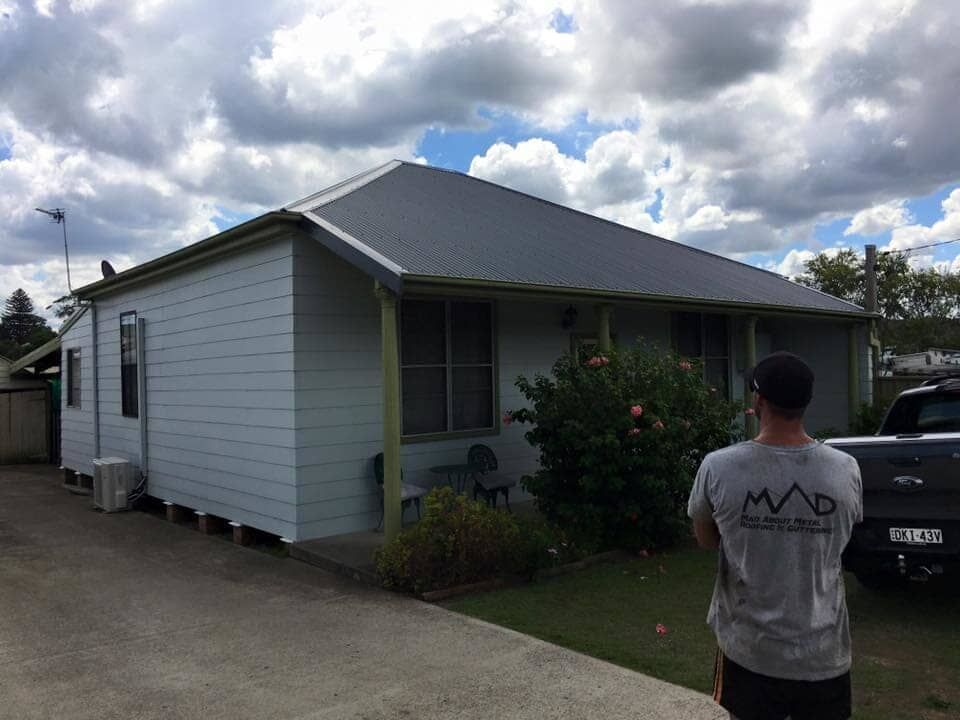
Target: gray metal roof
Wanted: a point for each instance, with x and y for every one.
(415, 220)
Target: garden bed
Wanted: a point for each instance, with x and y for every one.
(433, 596)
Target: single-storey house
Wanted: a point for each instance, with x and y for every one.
(255, 374)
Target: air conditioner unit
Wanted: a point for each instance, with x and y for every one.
(112, 481)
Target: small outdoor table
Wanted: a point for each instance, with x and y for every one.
(457, 475)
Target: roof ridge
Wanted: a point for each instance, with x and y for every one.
(344, 187)
(673, 243)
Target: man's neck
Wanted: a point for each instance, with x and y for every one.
(782, 432)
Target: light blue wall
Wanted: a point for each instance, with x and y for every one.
(264, 385)
(220, 387)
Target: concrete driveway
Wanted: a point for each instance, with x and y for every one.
(128, 616)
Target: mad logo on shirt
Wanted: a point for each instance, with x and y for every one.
(781, 517)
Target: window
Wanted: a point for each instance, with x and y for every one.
(705, 337)
(73, 377)
(128, 364)
(924, 413)
(446, 366)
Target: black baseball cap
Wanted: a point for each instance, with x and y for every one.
(783, 379)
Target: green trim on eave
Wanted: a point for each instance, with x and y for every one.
(438, 284)
(263, 227)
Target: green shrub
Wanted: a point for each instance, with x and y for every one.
(542, 545)
(458, 541)
(620, 437)
(868, 420)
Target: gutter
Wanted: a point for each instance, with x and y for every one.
(96, 379)
(263, 227)
(432, 283)
(142, 394)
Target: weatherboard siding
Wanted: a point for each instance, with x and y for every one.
(76, 424)
(218, 341)
(339, 389)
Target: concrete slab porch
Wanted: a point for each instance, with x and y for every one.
(351, 555)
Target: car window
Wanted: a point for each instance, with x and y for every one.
(936, 412)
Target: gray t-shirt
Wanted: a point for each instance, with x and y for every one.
(785, 515)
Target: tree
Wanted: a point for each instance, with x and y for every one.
(920, 307)
(18, 318)
(21, 330)
(844, 275)
(64, 307)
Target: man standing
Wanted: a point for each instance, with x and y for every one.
(780, 509)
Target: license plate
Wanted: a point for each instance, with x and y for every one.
(917, 536)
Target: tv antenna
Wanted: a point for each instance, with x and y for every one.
(59, 216)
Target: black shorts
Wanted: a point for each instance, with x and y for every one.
(751, 696)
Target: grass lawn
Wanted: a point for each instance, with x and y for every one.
(906, 641)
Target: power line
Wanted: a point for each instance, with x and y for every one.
(918, 247)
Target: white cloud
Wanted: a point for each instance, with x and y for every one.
(946, 228)
(794, 263)
(879, 219)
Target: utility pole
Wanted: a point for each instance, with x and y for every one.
(870, 271)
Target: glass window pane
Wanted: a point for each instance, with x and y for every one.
(715, 329)
(424, 400)
(128, 364)
(73, 378)
(716, 374)
(472, 398)
(688, 335)
(422, 332)
(470, 325)
(938, 413)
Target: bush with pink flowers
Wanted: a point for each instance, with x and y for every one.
(620, 437)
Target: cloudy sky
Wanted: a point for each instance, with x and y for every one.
(765, 130)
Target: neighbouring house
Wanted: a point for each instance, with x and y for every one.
(932, 362)
(255, 374)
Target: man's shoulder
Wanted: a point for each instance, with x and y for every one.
(730, 453)
(839, 457)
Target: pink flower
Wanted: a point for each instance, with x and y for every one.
(598, 361)
(636, 410)
(662, 629)
(507, 418)
(633, 432)
(658, 425)
(644, 553)
(749, 411)
(685, 365)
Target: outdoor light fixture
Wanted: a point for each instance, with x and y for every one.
(569, 318)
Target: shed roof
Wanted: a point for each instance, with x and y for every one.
(48, 348)
(414, 221)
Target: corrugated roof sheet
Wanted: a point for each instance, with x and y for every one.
(446, 224)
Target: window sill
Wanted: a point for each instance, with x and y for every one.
(454, 435)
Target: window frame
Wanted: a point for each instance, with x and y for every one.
(74, 379)
(449, 366)
(703, 357)
(125, 402)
